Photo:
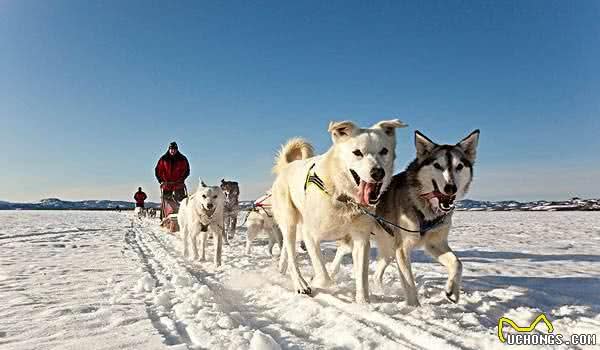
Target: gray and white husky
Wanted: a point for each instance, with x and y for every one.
(421, 201)
(231, 191)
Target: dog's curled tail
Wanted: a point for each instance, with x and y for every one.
(295, 149)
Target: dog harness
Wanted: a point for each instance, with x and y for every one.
(203, 226)
(314, 179)
(428, 225)
(256, 206)
(425, 226)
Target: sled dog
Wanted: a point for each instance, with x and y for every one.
(260, 219)
(199, 215)
(316, 193)
(231, 190)
(151, 212)
(140, 212)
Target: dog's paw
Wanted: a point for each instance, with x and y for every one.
(361, 299)
(378, 285)
(302, 287)
(452, 292)
(412, 299)
(303, 246)
(322, 282)
(452, 297)
(305, 291)
(282, 267)
(413, 302)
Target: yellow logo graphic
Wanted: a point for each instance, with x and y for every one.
(540, 318)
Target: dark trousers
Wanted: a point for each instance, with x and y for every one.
(179, 194)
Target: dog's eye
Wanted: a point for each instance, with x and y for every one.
(357, 153)
(215, 196)
(204, 196)
(460, 167)
(437, 166)
(384, 151)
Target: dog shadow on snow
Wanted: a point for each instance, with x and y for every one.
(483, 256)
(544, 293)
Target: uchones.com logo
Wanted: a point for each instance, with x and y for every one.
(528, 336)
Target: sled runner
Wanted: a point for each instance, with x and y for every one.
(169, 207)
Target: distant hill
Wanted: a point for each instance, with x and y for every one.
(59, 204)
(542, 205)
(464, 205)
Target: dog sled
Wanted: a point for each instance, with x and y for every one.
(169, 207)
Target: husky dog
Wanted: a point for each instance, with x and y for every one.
(201, 214)
(317, 191)
(231, 190)
(151, 212)
(140, 212)
(260, 219)
(421, 201)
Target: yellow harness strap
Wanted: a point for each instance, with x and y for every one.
(314, 179)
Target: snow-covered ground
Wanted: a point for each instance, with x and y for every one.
(103, 280)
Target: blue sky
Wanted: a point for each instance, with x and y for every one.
(91, 93)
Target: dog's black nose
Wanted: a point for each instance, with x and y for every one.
(209, 205)
(377, 174)
(450, 189)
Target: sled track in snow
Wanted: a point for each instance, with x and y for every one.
(133, 239)
(231, 301)
(252, 310)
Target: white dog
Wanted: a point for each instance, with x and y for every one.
(318, 192)
(140, 212)
(199, 215)
(260, 219)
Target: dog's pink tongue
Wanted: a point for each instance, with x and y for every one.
(434, 202)
(364, 189)
(361, 192)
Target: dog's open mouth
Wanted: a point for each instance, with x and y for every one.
(209, 212)
(368, 192)
(446, 202)
(439, 200)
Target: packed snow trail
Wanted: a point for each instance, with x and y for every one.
(115, 281)
(66, 282)
(255, 296)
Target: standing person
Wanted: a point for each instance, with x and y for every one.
(171, 171)
(139, 197)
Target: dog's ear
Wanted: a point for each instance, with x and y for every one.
(389, 126)
(469, 145)
(222, 181)
(423, 145)
(202, 183)
(341, 130)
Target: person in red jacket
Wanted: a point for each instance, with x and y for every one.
(171, 171)
(139, 197)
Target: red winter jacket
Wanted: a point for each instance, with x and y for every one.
(173, 170)
(139, 197)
